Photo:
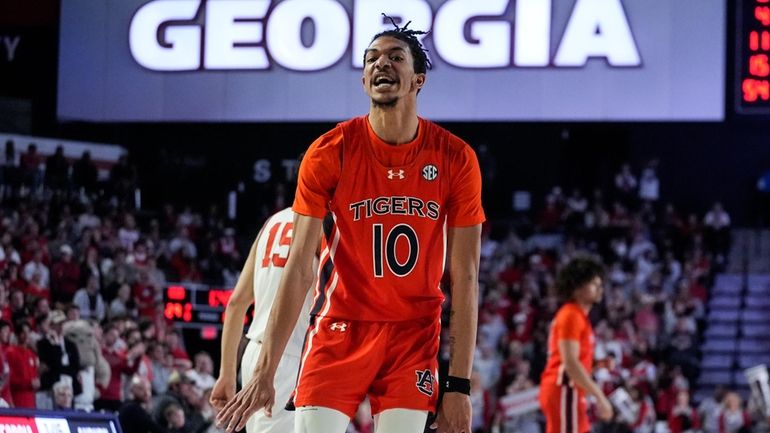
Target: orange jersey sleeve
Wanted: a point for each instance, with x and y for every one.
(464, 204)
(568, 325)
(319, 174)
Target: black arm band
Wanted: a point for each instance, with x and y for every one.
(457, 384)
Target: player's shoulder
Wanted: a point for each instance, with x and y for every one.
(455, 145)
(330, 140)
(569, 312)
(285, 215)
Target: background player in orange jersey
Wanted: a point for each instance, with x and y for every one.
(567, 376)
(404, 195)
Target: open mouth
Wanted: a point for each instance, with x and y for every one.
(383, 82)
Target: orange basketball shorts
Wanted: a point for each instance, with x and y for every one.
(564, 408)
(394, 363)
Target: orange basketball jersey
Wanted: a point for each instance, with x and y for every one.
(570, 323)
(384, 254)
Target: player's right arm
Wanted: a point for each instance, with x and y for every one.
(241, 298)
(318, 177)
(570, 356)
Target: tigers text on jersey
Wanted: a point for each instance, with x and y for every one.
(271, 254)
(384, 255)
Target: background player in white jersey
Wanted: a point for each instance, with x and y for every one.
(258, 283)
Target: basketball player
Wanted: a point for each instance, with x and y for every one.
(403, 193)
(257, 284)
(567, 376)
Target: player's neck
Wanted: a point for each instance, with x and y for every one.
(585, 306)
(395, 125)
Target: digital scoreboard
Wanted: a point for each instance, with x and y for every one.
(42, 421)
(753, 63)
(198, 306)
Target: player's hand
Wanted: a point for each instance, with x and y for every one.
(257, 394)
(604, 409)
(222, 392)
(454, 415)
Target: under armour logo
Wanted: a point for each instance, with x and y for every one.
(339, 326)
(395, 174)
(430, 172)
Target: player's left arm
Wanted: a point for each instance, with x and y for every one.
(464, 245)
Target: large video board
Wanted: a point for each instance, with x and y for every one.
(300, 60)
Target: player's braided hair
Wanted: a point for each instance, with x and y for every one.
(421, 63)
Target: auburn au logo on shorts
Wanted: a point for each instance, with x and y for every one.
(425, 382)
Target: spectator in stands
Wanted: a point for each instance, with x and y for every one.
(645, 411)
(57, 171)
(25, 379)
(123, 180)
(710, 409)
(734, 418)
(481, 402)
(162, 366)
(90, 301)
(122, 363)
(5, 367)
(36, 265)
(85, 174)
(173, 341)
(175, 419)
(20, 310)
(182, 392)
(65, 276)
(182, 245)
(30, 162)
(134, 415)
(58, 355)
(201, 372)
(625, 185)
(62, 395)
(9, 170)
(128, 233)
(649, 185)
(683, 417)
(717, 231)
(123, 305)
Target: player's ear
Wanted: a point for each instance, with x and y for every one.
(419, 81)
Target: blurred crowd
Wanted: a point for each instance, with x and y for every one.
(660, 264)
(82, 274)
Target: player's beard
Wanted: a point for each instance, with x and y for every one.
(390, 103)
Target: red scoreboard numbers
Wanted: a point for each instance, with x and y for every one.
(753, 51)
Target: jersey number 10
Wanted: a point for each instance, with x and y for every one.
(398, 268)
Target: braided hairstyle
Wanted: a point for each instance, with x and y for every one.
(421, 63)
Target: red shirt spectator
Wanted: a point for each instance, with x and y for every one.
(25, 379)
(5, 369)
(121, 362)
(683, 416)
(65, 276)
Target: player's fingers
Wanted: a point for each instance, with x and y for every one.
(246, 415)
(224, 417)
(233, 422)
(268, 404)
